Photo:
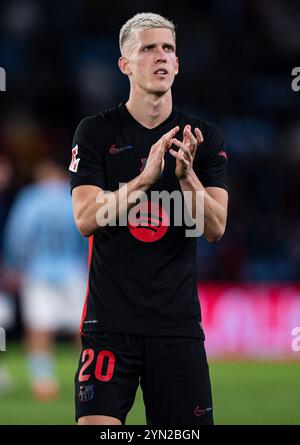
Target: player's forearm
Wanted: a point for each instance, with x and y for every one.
(103, 209)
(214, 214)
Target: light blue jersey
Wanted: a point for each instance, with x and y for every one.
(41, 239)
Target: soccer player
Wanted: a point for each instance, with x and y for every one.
(141, 322)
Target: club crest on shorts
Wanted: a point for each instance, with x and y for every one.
(86, 393)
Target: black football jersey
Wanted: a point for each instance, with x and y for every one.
(142, 280)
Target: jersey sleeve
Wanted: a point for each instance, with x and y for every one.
(211, 162)
(87, 163)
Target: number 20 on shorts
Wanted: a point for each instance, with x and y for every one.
(88, 355)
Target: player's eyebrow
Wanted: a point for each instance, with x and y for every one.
(169, 44)
(153, 45)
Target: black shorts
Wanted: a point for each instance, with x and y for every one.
(172, 371)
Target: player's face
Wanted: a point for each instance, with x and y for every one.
(152, 60)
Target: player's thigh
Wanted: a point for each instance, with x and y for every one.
(98, 420)
(108, 375)
(176, 383)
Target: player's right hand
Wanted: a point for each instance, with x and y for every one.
(155, 162)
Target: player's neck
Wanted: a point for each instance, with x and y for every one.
(150, 111)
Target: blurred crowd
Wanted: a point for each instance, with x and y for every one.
(236, 59)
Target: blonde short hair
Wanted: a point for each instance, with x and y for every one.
(143, 20)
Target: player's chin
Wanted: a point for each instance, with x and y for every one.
(159, 89)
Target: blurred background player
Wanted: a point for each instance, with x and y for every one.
(44, 247)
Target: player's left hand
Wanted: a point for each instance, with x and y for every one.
(187, 150)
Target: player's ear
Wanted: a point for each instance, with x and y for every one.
(123, 65)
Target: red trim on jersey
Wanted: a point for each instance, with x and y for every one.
(91, 241)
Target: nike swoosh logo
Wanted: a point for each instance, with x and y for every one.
(113, 149)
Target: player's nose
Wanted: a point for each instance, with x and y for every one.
(160, 55)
